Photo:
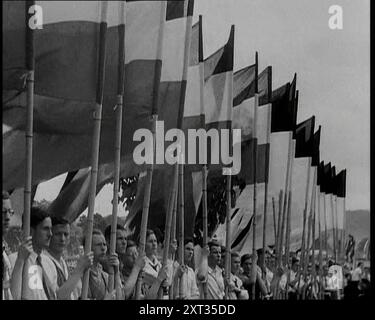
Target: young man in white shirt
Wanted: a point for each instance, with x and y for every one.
(214, 276)
(187, 274)
(34, 275)
(69, 286)
(7, 214)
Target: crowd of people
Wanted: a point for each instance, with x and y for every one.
(39, 271)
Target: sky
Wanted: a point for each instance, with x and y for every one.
(333, 75)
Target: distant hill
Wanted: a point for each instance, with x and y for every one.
(358, 224)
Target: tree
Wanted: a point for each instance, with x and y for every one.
(99, 222)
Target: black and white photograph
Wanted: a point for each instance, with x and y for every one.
(210, 150)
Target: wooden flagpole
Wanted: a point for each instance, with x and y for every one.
(150, 168)
(117, 158)
(285, 198)
(304, 220)
(281, 196)
(333, 227)
(255, 156)
(289, 212)
(228, 171)
(344, 231)
(274, 220)
(337, 232)
(97, 117)
(320, 247)
(30, 66)
(204, 147)
(168, 221)
(289, 207)
(266, 160)
(173, 231)
(325, 227)
(278, 254)
(309, 230)
(313, 238)
(181, 222)
(188, 26)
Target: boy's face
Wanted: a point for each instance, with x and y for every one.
(235, 264)
(60, 237)
(121, 241)
(189, 251)
(7, 213)
(42, 233)
(99, 247)
(215, 254)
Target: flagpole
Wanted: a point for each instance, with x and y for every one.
(278, 254)
(150, 168)
(309, 231)
(337, 232)
(289, 211)
(173, 228)
(281, 196)
(313, 238)
(285, 199)
(274, 220)
(188, 26)
(344, 231)
(255, 155)
(117, 158)
(320, 248)
(325, 227)
(168, 222)
(30, 66)
(304, 220)
(266, 160)
(204, 150)
(333, 226)
(97, 117)
(288, 223)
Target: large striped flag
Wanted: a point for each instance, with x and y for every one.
(245, 119)
(62, 124)
(218, 82)
(302, 181)
(136, 114)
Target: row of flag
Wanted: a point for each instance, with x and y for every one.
(287, 186)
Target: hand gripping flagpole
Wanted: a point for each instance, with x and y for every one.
(118, 110)
(150, 169)
(97, 116)
(30, 66)
(255, 155)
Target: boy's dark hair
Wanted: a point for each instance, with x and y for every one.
(187, 240)
(245, 257)
(59, 220)
(107, 231)
(37, 215)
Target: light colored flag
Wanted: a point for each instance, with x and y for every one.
(63, 126)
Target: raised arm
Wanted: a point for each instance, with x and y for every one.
(84, 262)
(17, 275)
